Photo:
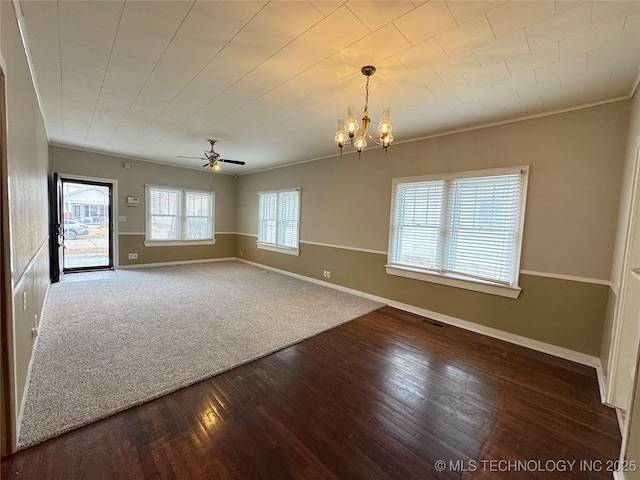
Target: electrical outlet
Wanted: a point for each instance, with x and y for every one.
(122, 218)
(240, 252)
(34, 332)
(133, 256)
(328, 274)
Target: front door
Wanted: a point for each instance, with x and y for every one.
(87, 225)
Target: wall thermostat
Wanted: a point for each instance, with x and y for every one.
(133, 201)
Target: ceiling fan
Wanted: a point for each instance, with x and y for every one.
(213, 158)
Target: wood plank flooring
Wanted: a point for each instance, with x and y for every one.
(382, 397)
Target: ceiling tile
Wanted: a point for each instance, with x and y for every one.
(326, 7)
(466, 36)
(591, 40)
(558, 27)
(606, 12)
(625, 73)
(453, 85)
(419, 77)
(83, 14)
(562, 69)
(537, 90)
(426, 21)
(463, 10)
(512, 16)
(423, 54)
(52, 87)
(45, 49)
(625, 50)
(483, 76)
(562, 5)
(84, 56)
(475, 94)
(113, 7)
(535, 59)
(41, 19)
(46, 63)
(502, 48)
(83, 85)
(378, 14)
(383, 43)
(458, 65)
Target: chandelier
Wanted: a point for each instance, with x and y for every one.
(349, 129)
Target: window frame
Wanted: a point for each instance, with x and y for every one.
(276, 247)
(181, 216)
(511, 290)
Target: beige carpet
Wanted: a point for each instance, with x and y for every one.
(107, 345)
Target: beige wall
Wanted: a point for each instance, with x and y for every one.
(576, 161)
(131, 182)
(27, 159)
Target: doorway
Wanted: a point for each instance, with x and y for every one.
(84, 224)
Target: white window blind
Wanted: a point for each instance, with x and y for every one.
(462, 226)
(198, 215)
(268, 218)
(279, 219)
(164, 213)
(178, 215)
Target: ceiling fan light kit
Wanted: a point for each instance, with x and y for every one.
(348, 130)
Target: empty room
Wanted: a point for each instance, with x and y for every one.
(320, 239)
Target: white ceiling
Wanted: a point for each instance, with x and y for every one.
(268, 80)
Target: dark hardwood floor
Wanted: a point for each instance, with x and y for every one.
(384, 396)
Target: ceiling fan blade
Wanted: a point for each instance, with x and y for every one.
(199, 158)
(206, 165)
(237, 162)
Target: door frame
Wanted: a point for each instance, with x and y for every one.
(614, 351)
(114, 208)
(8, 402)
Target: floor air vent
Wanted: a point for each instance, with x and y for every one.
(432, 322)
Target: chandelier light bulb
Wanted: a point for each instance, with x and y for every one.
(215, 167)
(360, 143)
(351, 127)
(341, 136)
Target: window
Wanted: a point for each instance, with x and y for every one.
(279, 220)
(462, 229)
(178, 217)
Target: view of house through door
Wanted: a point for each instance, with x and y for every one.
(87, 224)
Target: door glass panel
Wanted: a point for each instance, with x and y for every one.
(86, 225)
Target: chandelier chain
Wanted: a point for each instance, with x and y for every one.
(366, 97)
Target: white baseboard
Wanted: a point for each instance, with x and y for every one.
(618, 475)
(28, 379)
(602, 382)
(179, 262)
(567, 354)
(620, 416)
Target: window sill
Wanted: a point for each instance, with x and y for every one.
(177, 243)
(490, 288)
(275, 248)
